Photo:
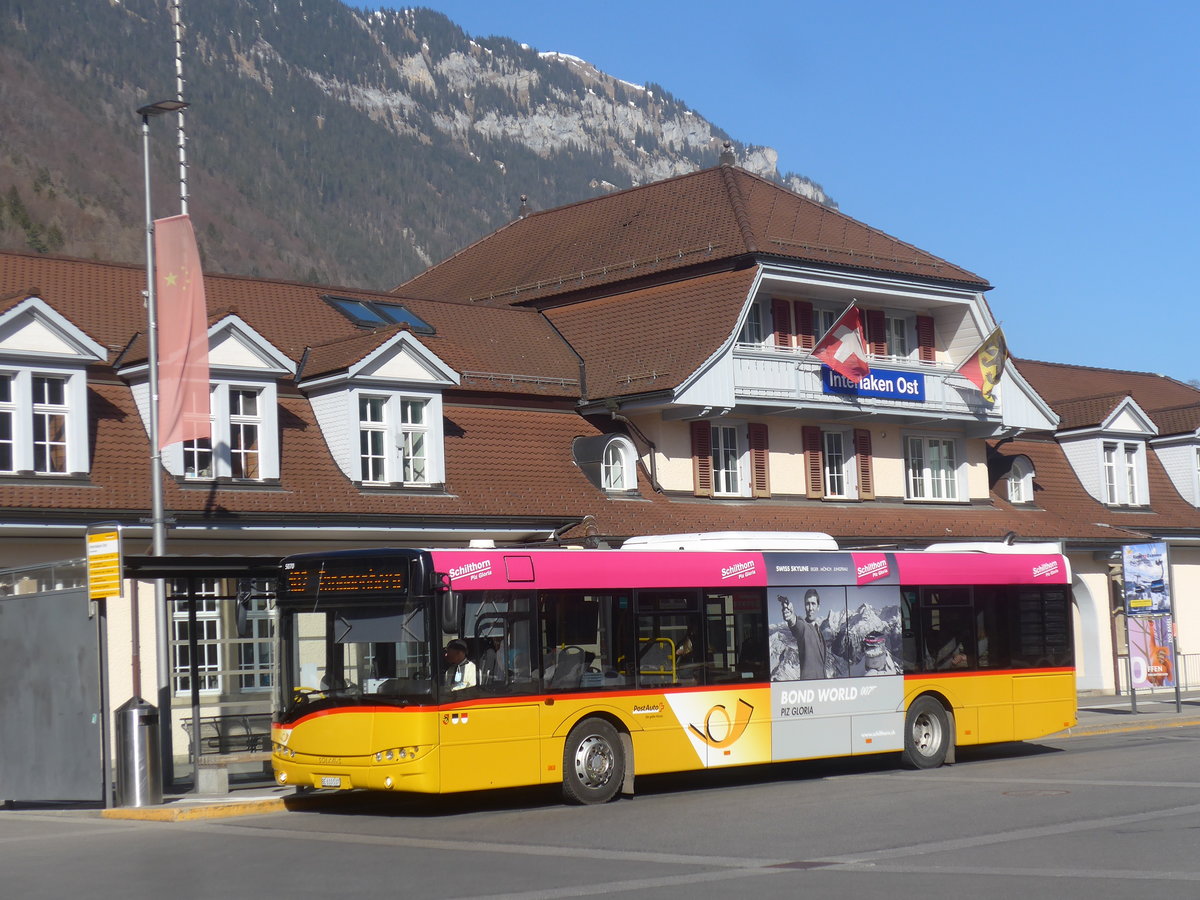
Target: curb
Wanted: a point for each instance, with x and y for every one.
(221, 809)
(217, 810)
(1087, 730)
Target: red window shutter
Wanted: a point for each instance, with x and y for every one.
(876, 332)
(804, 325)
(702, 471)
(925, 338)
(814, 461)
(760, 479)
(862, 455)
(781, 316)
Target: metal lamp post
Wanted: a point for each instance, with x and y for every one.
(157, 520)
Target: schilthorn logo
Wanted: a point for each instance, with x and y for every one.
(1046, 569)
(472, 570)
(877, 569)
(739, 570)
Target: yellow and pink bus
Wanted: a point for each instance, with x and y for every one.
(436, 671)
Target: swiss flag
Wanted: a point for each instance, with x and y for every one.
(843, 348)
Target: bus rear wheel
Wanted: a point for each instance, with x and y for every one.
(593, 763)
(926, 734)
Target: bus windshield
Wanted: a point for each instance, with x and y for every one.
(350, 656)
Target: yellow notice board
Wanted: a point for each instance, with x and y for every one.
(104, 561)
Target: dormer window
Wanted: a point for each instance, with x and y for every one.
(43, 392)
(618, 470)
(244, 371)
(1122, 474)
(241, 434)
(1020, 481)
(393, 433)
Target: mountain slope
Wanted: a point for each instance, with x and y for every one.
(324, 143)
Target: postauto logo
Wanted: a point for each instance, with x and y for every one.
(722, 730)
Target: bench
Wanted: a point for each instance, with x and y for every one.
(225, 740)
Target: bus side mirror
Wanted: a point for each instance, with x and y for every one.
(451, 605)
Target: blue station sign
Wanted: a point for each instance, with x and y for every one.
(883, 384)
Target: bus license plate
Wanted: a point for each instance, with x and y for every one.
(331, 781)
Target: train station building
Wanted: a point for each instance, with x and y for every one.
(637, 363)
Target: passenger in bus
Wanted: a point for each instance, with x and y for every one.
(949, 653)
(810, 644)
(459, 671)
(494, 662)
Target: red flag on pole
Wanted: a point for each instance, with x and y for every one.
(182, 333)
(984, 367)
(843, 348)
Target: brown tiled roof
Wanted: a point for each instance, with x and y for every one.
(1059, 383)
(1087, 411)
(703, 217)
(652, 339)
(1058, 491)
(105, 301)
(502, 463)
(1177, 420)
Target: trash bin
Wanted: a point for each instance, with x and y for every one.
(139, 769)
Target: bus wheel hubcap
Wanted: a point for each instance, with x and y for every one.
(593, 761)
(927, 734)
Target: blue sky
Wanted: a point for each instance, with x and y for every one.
(1050, 147)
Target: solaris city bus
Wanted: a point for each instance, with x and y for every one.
(436, 671)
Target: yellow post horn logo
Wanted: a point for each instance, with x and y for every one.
(734, 728)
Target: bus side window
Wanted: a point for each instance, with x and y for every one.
(908, 619)
(992, 610)
(669, 638)
(583, 638)
(736, 639)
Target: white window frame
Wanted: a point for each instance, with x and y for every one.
(22, 409)
(1124, 473)
(8, 423)
(838, 463)
(401, 434)
(752, 328)
(224, 423)
(618, 466)
(1111, 496)
(1020, 481)
(256, 652)
(933, 483)
(732, 479)
(209, 640)
(899, 328)
(823, 318)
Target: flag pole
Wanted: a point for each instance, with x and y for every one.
(157, 518)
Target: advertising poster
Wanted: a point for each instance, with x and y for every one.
(828, 646)
(1151, 662)
(1147, 581)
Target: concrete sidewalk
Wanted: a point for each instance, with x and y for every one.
(1112, 714)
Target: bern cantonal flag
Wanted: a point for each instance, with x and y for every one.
(182, 320)
(843, 348)
(984, 367)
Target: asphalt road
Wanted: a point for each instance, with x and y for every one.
(1090, 817)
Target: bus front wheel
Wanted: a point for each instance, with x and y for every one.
(926, 734)
(593, 763)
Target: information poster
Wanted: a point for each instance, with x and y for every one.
(1147, 581)
(1151, 662)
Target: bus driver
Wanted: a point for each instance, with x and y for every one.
(459, 671)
